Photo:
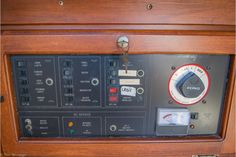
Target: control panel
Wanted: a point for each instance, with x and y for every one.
(101, 96)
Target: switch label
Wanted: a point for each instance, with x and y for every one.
(128, 73)
(128, 91)
(129, 81)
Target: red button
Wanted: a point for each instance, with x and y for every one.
(113, 98)
(113, 90)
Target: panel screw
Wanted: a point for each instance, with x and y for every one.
(170, 102)
(203, 101)
(173, 68)
(192, 126)
(61, 3)
(149, 6)
(208, 67)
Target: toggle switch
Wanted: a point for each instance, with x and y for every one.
(113, 90)
(113, 98)
(112, 63)
(112, 81)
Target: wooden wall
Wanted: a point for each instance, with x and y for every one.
(92, 27)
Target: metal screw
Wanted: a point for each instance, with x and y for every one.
(173, 68)
(170, 102)
(149, 6)
(61, 3)
(203, 101)
(192, 126)
(123, 42)
(208, 67)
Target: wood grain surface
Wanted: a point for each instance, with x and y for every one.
(106, 44)
(118, 12)
(112, 147)
(92, 27)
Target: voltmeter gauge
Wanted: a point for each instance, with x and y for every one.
(189, 84)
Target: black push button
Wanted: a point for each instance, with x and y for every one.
(190, 86)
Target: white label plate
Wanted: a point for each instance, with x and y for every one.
(129, 81)
(131, 73)
(128, 91)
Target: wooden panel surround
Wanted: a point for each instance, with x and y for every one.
(92, 27)
(118, 12)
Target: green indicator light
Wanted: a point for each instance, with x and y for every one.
(72, 131)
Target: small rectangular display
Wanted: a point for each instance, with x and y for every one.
(173, 117)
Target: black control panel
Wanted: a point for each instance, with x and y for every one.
(97, 96)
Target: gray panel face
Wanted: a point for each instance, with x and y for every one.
(40, 89)
(93, 96)
(80, 81)
(40, 126)
(125, 99)
(82, 126)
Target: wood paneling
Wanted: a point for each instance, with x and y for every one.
(2, 92)
(164, 28)
(50, 44)
(106, 44)
(118, 12)
(92, 27)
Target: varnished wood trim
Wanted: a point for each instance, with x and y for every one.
(121, 27)
(106, 44)
(94, 44)
(114, 12)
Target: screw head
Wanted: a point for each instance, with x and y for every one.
(208, 67)
(192, 126)
(61, 3)
(173, 68)
(170, 102)
(149, 7)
